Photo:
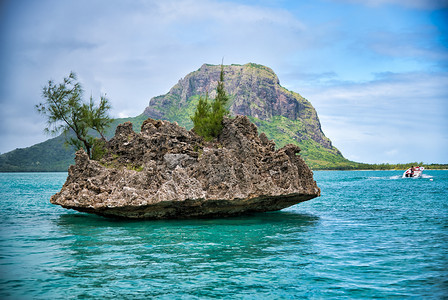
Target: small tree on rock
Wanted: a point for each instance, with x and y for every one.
(207, 119)
(201, 115)
(66, 113)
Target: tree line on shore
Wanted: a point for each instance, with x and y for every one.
(386, 166)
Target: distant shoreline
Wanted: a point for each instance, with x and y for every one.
(376, 170)
(354, 166)
(426, 169)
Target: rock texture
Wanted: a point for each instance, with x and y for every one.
(166, 171)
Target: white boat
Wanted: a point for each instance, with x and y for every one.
(413, 172)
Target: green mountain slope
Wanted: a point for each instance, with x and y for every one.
(49, 156)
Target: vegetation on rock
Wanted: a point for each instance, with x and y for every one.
(208, 117)
(67, 113)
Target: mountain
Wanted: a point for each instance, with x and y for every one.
(49, 156)
(254, 90)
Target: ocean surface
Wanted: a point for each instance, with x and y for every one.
(370, 235)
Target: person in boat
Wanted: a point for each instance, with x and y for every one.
(412, 172)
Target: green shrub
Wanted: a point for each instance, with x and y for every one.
(98, 149)
(207, 119)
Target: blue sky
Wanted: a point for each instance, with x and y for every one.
(376, 71)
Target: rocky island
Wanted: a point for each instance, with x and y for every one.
(166, 171)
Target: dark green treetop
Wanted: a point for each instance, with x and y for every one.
(207, 119)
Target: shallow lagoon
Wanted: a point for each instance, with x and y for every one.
(371, 234)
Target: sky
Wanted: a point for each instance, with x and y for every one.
(375, 70)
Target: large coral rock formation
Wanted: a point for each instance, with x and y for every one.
(168, 172)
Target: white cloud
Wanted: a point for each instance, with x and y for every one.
(408, 44)
(392, 152)
(224, 13)
(399, 111)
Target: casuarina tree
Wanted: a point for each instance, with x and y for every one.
(67, 113)
(207, 119)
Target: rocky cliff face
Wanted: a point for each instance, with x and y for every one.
(166, 171)
(254, 91)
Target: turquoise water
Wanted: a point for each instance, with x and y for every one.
(370, 235)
